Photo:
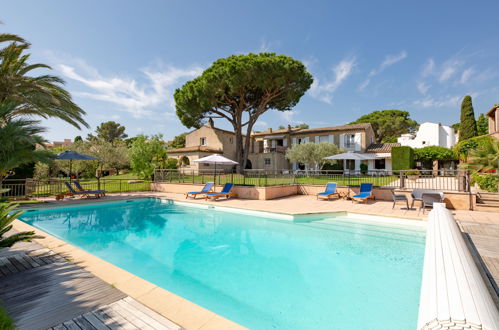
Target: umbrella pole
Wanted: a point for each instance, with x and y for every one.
(70, 165)
(215, 175)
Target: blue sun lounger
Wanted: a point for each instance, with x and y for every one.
(366, 192)
(226, 192)
(206, 189)
(330, 191)
(81, 189)
(86, 193)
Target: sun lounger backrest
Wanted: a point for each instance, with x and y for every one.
(78, 185)
(366, 187)
(227, 187)
(331, 187)
(69, 187)
(207, 187)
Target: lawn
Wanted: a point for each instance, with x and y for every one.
(6, 322)
(276, 180)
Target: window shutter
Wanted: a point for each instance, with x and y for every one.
(317, 139)
(358, 141)
(331, 139)
(293, 141)
(307, 140)
(342, 140)
(285, 142)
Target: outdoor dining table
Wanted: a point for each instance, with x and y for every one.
(417, 195)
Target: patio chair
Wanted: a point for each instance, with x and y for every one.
(427, 200)
(366, 192)
(329, 191)
(206, 189)
(226, 192)
(81, 189)
(86, 193)
(399, 198)
(417, 195)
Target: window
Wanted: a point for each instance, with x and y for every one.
(350, 140)
(323, 138)
(350, 164)
(230, 140)
(267, 161)
(206, 164)
(379, 164)
(202, 141)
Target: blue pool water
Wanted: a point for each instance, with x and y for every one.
(264, 273)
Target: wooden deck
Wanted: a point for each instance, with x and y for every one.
(42, 290)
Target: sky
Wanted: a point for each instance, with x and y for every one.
(123, 60)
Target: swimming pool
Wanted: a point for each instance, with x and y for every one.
(260, 270)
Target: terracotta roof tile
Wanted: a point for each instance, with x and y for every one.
(381, 147)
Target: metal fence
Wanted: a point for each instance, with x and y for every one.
(32, 187)
(447, 180)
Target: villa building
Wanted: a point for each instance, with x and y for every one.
(493, 116)
(430, 134)
(268, 148)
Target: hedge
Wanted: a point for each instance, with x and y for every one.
(402, 158)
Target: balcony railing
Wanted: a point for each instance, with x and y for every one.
(278, 149)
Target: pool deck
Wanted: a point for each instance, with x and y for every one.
(42, 290)
(481, 229)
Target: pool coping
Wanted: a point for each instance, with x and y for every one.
(179, 310)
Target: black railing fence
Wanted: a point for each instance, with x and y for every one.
(47, 187)
(445, 180)
(448, 180)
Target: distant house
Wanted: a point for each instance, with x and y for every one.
(65, 143)
(430, 134)
(493, 116)
(268, 148)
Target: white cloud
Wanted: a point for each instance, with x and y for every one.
(388, 61)
(324, 91)
(138, 99)
(431, 102)
(466, 75)
(428, 68)
(423, 87)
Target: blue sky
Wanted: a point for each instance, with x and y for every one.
(122, 60)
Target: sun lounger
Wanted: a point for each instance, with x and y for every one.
(366, 192)
(86, 193)
(206, 189)
(330, 191)
(81, 189)
(226, 192)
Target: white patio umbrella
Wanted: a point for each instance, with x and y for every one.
(352, 156)
(216, 159)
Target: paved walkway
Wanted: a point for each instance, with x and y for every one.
(42, 290)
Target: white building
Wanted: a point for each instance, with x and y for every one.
(430, 134)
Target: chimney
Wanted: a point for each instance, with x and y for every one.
(270, 130)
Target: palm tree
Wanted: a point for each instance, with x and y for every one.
(19, 138)
(485, 155)
(34, 95)
(7, 215)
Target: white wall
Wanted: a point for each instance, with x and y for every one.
(430, 134)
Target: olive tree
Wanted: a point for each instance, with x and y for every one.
(240, 88)
(312, 153)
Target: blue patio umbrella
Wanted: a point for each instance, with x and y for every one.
(73, 155)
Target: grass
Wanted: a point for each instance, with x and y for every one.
(270, 180)
(6, 322)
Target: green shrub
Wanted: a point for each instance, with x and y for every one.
(487, 182)
(402, 158)
(431, 153)
(6, 322)
(363, 168)
(462, 148)
(413, 172)
(338, 166)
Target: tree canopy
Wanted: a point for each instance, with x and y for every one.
(110, 131)
(434, 153)
(312, 153)
(146, 154)
(388, 125)
(178, 141)
(482, 125)
(241, 88)
(467, 126)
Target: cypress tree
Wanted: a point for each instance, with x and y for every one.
(467, 128)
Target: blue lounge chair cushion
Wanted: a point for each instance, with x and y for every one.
(226, 190)
(77, 184)
(330, 189)
(362, 195)
(366, 190)
(81, 192)
(207, 187)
